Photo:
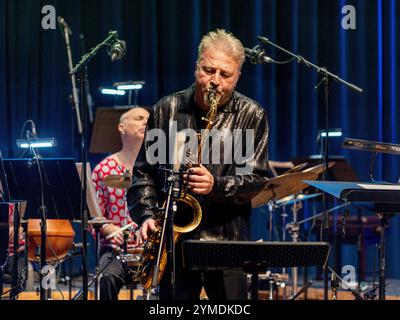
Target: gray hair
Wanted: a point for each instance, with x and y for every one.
(225, 41)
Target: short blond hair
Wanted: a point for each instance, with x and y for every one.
(222, 40)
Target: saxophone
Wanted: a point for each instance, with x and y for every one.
(190, 219)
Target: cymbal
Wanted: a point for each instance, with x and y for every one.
(289, 200)
(297, 168)
(118, 181)
(282, 186)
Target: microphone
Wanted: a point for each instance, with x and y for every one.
(64, 24)
(257, 55)
(34, 132)
(117, 50)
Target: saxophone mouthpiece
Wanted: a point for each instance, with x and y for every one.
(212, 95)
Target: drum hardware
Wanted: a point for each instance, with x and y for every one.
(131, 261)
(294, 228)
(302, 290)
(96, 278)
(334, 286)
(97, 223)
(118, 181)
(294, 200)
(282, 186)
(336, 279)
(276, 280)
(278, 189)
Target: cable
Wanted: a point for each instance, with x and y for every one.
(19, 285)
(57, 277)
(28, 135)
(40, 176)
(58, 263)
(24, 125)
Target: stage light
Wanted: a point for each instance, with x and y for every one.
(128, 87)
(36, 143)
(335, 133)
(113, 92)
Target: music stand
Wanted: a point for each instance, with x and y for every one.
(61, 190)
(105, 136)
(382, 199)
(253, 257)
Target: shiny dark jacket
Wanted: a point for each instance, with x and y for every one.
(227, 209)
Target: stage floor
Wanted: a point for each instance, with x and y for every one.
(315, 292)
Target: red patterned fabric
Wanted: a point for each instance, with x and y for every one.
(112, 200)
(11, 208)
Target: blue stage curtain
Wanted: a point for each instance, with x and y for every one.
(162, 39)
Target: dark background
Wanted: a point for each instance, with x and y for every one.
(162, 39)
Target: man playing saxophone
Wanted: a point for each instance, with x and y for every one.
(223, 190)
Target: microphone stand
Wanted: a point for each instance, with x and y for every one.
(44, 292)
(89, 100)
(112, 35)
(81, 68)
(80, 294)
(75, 95)
(174, 189)
(327, 76)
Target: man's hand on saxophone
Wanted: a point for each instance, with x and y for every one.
(147, 227)
(201, 181)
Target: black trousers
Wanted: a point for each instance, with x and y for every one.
(114, 276)
(219, 285)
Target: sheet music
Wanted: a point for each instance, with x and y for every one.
(92, 202)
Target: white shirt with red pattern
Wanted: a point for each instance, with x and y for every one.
(11, 208)
(112, 200)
